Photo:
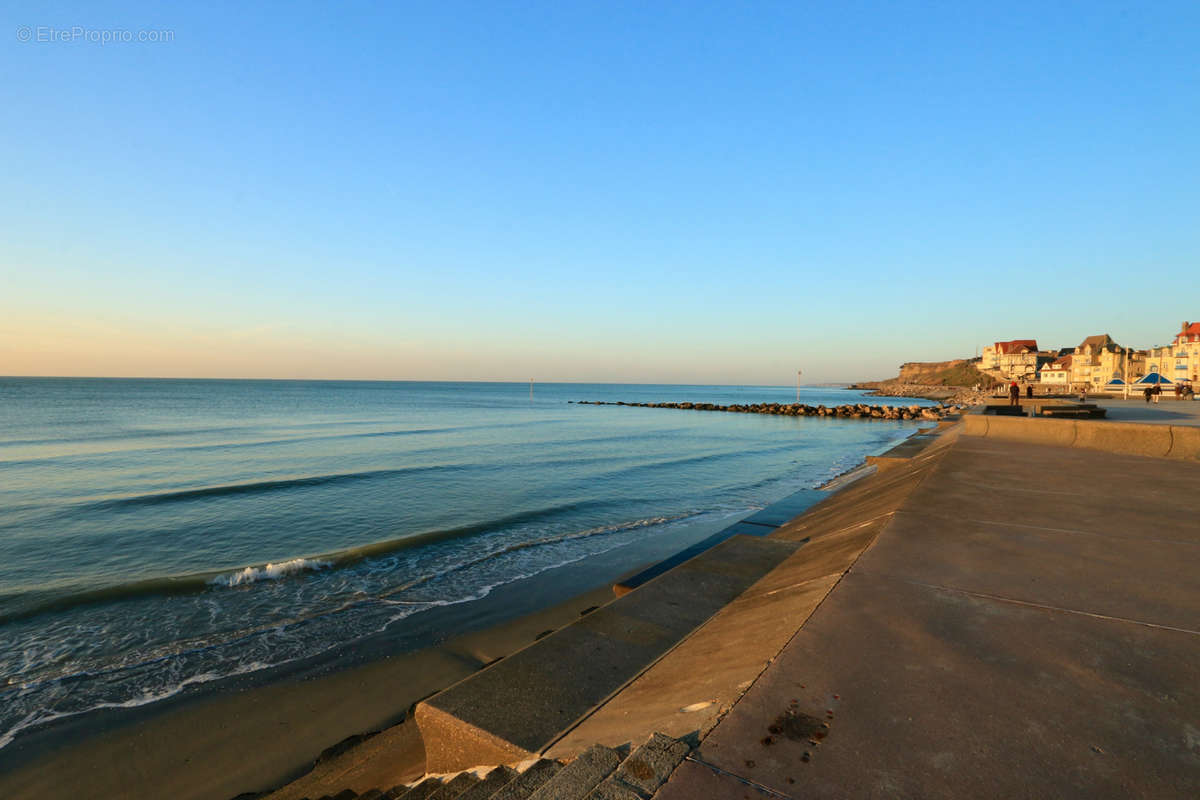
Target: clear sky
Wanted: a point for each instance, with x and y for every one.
(642, 191)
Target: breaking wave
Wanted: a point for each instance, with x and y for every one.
(270, 572)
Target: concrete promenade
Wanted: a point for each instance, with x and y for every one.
(1025, 624)
(990, 615)
(1168, 411)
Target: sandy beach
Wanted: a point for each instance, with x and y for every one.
(298, 729)
(295, 731)
(258, 733)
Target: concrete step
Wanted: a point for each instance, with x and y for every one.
(577, 779)
(422, 790)
(515, 708)
(500, 783)
(529, 781)
(645, 769)
(455, 787)
(760, 523)
(490, 784)
(613, 791)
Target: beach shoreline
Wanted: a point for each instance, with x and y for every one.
(194, 744)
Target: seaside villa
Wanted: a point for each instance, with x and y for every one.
(1015, 360)
(1056, 373)
(1180, 360)
(1098, 361)
(1101, 364)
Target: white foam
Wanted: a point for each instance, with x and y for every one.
(270, 572)
(41, 717)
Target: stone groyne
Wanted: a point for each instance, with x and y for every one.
(849, 411)
(954, 395)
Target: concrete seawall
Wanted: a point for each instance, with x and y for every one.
(675, 652)
(1024, 626)
(999, 608)
(1126, 438)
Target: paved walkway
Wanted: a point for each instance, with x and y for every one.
(1026, 625)
(1168, 411)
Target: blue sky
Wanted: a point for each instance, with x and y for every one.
(677, 192)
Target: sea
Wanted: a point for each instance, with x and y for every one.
(158, 535)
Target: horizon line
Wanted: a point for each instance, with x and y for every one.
(827, 384)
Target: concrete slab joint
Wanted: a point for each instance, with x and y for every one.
(1185, 442)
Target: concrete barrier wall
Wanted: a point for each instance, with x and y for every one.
(1060, 432)
(1125, 437)
(1129, 438)
(975, 425)
(516, 707)
(1185, 442)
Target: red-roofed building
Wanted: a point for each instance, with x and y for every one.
(1016, 360)
(1056, 372)
(1189, 334)
(1018, 346)
(1179, 361)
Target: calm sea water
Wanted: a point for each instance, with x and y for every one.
(156, 534)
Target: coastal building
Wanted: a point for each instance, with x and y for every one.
(1015, 360)
(1180, 360)
(1056, 372)
(1189, 334)
(1099, 360)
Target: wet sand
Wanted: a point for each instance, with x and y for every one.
(257, 738)
(257, 732)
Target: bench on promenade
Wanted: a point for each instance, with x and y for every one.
(1075, 411)
(1004, 410)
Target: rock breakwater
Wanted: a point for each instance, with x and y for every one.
(848, 411)
(954, 395)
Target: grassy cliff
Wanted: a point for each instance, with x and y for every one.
(960, 372)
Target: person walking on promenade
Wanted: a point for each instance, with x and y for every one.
(1157, 393)
(1083, 393)
(1149, 391)
(1029, 391)
(1014, 394)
